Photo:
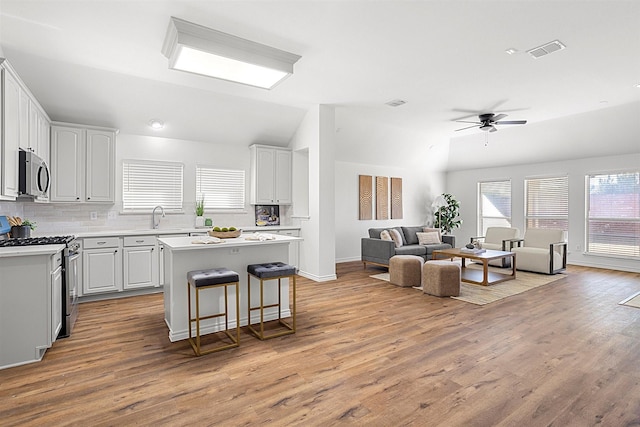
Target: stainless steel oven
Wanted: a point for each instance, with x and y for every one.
(70, 288)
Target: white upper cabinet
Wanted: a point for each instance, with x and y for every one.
(100, 168)
(270, 175)
(10, 134)
(82, 164)
(25, 126)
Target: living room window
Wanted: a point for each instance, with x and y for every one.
(547, 202)
(613, 214)
(146, 185)
(494, 205)
(221, 188)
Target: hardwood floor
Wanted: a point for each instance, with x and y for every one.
(366, 353)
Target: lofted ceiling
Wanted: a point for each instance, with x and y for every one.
(100, 62)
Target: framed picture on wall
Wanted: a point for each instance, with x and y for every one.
(267, 215)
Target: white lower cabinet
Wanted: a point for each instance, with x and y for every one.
(101, 265)
(140, 262)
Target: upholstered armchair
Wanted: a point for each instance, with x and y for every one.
(498, 239)
(541, 251)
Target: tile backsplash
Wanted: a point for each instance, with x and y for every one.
(68, 218)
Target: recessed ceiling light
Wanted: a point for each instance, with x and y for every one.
(396, 103)
(156, 124)
(511, 51)
(638, 85)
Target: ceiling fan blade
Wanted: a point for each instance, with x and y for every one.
(468, 127)
(511, 122)
(498, 117)
(493, 129)
(466, 121)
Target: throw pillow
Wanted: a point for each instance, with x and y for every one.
(384, 235)
(431, 230)
(395, 236)
(430, 238)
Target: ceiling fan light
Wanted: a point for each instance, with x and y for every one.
(487, 127)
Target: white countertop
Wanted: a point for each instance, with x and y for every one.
(166, 231)
(12, 251)
(187, 243)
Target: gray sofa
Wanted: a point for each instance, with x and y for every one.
(378, 251)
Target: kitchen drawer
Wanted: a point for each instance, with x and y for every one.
(293, 233)
(140, 240)
(101, 242)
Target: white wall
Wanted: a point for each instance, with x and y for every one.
(419, 189)
(463, 184)
(316, 136)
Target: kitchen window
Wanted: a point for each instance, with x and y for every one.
(222, 189)
(547, 202)
(494, 205)
(613, 214)
(147, 184)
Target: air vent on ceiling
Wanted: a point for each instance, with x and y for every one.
(396, 103)
(546, 49)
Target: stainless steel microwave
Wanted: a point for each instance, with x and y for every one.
(33, 175)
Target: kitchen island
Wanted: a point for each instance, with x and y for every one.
(184, 254)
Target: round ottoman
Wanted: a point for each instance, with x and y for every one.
(405, 270)
(441, 278)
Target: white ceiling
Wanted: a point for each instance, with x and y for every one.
(99, 62)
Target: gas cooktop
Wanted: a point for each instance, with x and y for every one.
(28, 241)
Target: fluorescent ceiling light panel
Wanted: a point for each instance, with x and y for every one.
(200, 50)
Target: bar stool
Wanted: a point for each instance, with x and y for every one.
(209, 279)
(265, 272)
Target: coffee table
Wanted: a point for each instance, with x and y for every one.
(482, 277)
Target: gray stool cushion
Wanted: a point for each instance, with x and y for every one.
(271, 269)
(212, 276)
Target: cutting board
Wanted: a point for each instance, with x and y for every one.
(4, 225)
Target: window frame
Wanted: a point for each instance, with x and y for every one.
(541, 219)
(171, 203)
(634, 251)
(482, 219)
(210, 199)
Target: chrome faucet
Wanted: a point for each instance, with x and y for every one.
(153, 216)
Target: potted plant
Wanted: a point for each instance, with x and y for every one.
(200, 212)
(447, 213)
(22, 228)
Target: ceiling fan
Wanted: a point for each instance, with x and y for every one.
(488, 121)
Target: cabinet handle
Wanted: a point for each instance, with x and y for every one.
(139, 241)
(115, 252)
(77, 198)
(100, 243)
(152, 249)
(88, 198)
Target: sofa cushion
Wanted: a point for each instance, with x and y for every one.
(412, 250)
(410, 237)
(430, 238)
(433, 230)
(396, 236)
(384, 235)
(374, 233)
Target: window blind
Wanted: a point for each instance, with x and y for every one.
(221, 188)
(494, 205)
(547, 202)
(146, 185)
(613, 215)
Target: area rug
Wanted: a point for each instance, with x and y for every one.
(632, 301)
(481, 295)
